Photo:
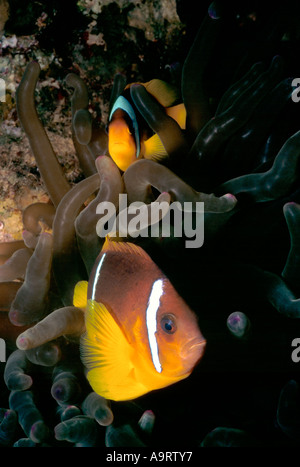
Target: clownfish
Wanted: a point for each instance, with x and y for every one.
(129, 137)
(140, 335)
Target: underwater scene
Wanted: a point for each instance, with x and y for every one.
(149, 225)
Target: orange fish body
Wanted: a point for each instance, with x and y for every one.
(128, 138)
(121, 143)
(140, 334)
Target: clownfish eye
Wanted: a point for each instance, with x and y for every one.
(168, 324)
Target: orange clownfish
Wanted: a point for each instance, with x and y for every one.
(129, 137)
(140, 334)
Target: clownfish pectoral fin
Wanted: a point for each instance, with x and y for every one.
(105, 352)
(80, 294)
(154, 149)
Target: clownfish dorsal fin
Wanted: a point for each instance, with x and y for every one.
(166, 94)
(123, 247)
(80, 294)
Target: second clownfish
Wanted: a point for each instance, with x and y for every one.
(140, 334)
(129, 137)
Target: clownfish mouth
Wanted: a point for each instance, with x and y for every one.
(193, 349)
(116, 143)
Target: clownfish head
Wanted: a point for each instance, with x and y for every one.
(121, 141)
(123, 134)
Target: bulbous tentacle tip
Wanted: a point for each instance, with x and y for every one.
(230, 199)
(98, 407)
(47, 354)
(8, 426)
(30, 240)
(15, 318)
(16, 379)
(66, 389)
(69, 411)
(39, 432)
(71, 79)
(20, 382)
(238, 324)
(102, 157)
(59, 431)
(34, 64)
(22, 343)
(104, 417)
(82, 123)
(147, 421)
(80, 429)
(214, 10)
(291, 209)
(58, 392)
(104, 160)
(223, 204)
(277, 65)
(16, 371)
(33, 68)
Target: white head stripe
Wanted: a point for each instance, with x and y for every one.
(151, 322)
(97, 274)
